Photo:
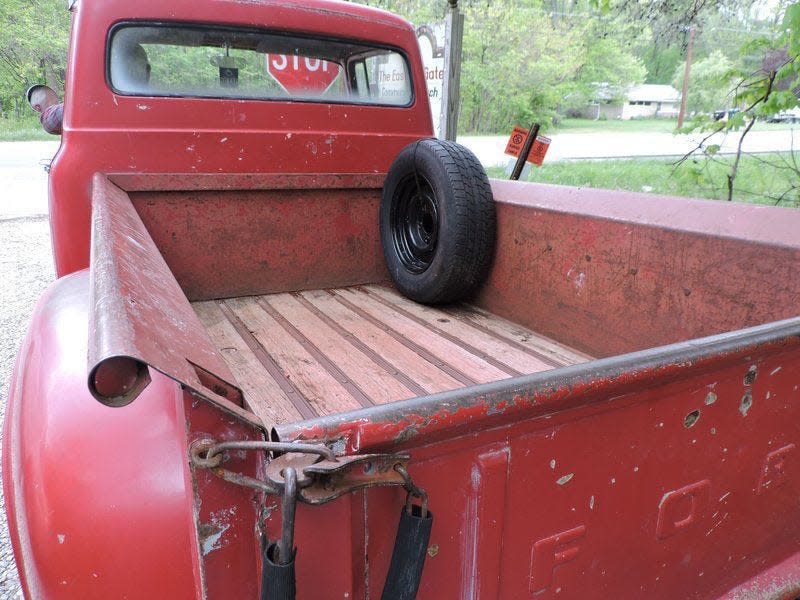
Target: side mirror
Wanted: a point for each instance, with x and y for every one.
(41, 97)
(45, 101)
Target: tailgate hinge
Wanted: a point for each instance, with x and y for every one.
(321, 475)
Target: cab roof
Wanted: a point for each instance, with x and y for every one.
(177, 9)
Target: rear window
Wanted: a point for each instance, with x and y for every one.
(208, 62)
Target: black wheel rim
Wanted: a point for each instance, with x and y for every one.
(415, 224)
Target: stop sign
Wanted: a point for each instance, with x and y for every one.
(299, 74)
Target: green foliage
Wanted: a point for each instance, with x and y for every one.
(760, 183)
(33, 48)
(518, 66)
(538, 59)
(607, 60)
(767, 83)
(711, 83)
(524, 60)
(26, 128)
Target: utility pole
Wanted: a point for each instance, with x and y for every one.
(454, 34)
(686, 72)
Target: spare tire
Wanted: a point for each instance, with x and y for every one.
(437, 222)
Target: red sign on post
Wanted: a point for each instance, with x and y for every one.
(517, 141)
(300, 74)
(540, 147)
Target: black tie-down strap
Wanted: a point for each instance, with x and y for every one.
(405, 568)
(408, 556)
(277, 580)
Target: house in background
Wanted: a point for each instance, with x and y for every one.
(641, 101)
(651, 100)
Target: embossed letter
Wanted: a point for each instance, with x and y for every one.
(681, 508)
(550, 552)
(774, 471)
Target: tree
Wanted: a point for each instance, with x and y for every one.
(518, 66)
(33, 47)
(710, 85)
(606, 61)
(767, 89)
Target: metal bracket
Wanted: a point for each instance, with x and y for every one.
(324, 480)
(321, 476)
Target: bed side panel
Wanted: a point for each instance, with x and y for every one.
(611, 272)
(681, 484)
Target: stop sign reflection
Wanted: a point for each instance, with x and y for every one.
(299, 74)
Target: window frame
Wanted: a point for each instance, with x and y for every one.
(258, 30)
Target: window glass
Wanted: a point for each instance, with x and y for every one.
(159, 60)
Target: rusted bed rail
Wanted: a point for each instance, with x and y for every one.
(141, 318)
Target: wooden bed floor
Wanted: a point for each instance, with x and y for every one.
(303, 354)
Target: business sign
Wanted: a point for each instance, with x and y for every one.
(431, 38)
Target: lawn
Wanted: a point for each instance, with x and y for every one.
(761, 179)
(615, 125)
(635, 126)
(25, 129)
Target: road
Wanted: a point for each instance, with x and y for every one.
(574, 146)
(23, 178)
(26, 267)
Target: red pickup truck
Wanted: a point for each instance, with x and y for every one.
(269, 369)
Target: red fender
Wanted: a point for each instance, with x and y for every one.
(99, 499)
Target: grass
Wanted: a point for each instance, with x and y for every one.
(20, 130)
(761, 179)
(630, 126)
(615, 125)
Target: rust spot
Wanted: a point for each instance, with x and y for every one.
(750, 377)
(692, 418)
(433, 550)
(746, 403)
(407, 433)
(565, 479)
(210, 535)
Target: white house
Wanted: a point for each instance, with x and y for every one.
(651, 100)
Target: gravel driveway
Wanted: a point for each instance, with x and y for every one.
(26, 268)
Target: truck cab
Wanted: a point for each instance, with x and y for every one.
(229, 362)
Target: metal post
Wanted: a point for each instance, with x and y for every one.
(686, 71)
(533, 132)
(454, 34)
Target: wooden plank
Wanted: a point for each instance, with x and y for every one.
(376, 358)
(499, 350)
(406, 361)
(322, 390)
(563, 355)
(299, 401)
(408, 343)
(379, 385)
(319, 356)
(446, 350)
(263, 394)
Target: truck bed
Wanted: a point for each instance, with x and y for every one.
(304, 354)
